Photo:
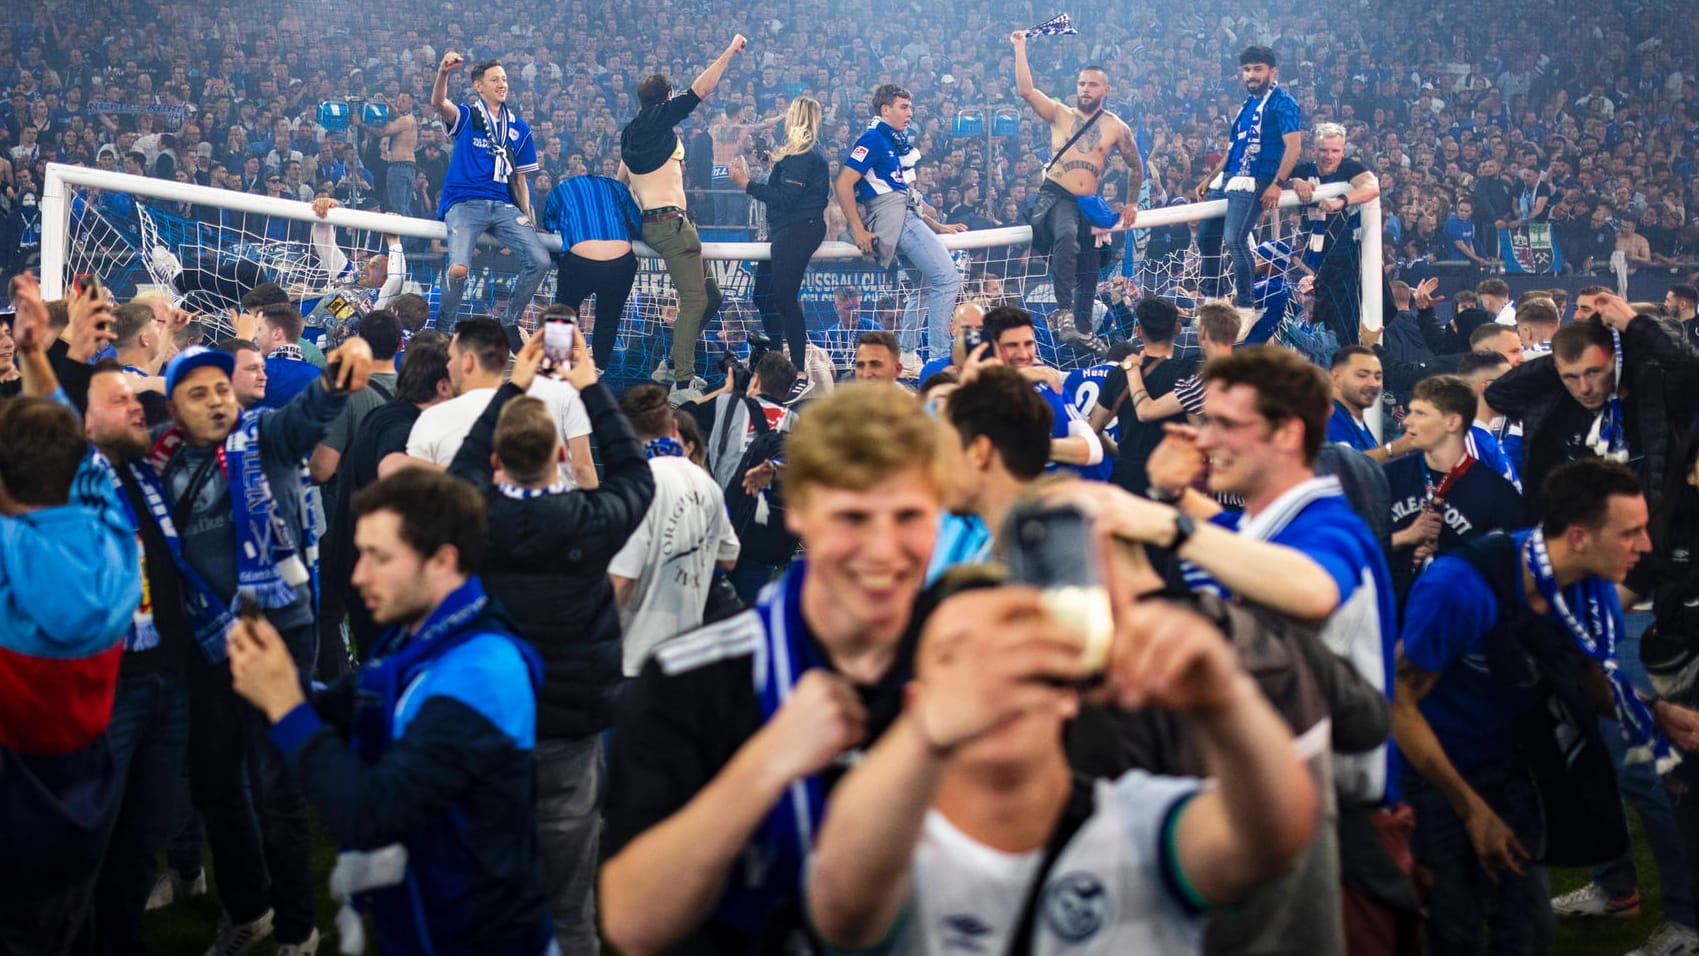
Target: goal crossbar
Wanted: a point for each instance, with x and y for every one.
(61, 179)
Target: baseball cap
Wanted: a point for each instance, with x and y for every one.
(193, 357)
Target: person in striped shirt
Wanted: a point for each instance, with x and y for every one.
(596, 219)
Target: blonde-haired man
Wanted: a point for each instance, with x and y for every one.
(734, 733)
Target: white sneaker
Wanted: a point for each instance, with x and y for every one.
(164, 263)
(1670, 939)
(1247, 319)
(235, 940)
(683, 392)
(308, 948)
(172, 887)
(1592, 900)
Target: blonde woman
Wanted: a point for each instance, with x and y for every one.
(795, 193)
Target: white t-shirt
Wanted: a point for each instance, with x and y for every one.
(1113, 889)
(437, 435)
(671, 556)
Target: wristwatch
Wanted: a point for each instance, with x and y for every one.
(1162, 495)
(1184, 528)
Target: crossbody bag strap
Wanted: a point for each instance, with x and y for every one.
(1071, 141)
(1082, 802)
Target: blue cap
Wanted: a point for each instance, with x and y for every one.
(193, 357)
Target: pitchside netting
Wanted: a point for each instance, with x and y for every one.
(207, 246)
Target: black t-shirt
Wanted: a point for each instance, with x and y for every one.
(1139, 439)
(382, 432)
(1479, 501)
(648, 141)
(1341, 225)
(1563, 438)
(164, 592)
(678, 730)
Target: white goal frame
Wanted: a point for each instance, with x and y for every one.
(61, 179)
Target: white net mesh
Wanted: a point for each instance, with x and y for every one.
(208, 256)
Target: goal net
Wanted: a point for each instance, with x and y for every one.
(207, 247)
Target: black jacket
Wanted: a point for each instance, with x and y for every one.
(795, 191)
(548, 564)
(1661, 375)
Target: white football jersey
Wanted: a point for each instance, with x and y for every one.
(1114, 889)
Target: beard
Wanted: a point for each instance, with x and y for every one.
(1087, 104)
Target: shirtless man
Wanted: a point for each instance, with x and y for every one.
(652, 165)
(1073, 172)
(732, 141)
(401, 136)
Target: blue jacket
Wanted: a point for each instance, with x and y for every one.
(440, 730)
(69, 586)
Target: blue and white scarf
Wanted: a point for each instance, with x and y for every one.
(663, 448)
(495, 134)
(269, 567)
(786, 834)
(524, 494)
(209, 615)
(1597, 639)
(1253, 136)
(1060, 25)
(1607, 438)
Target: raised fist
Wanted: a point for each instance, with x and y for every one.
(450, 62)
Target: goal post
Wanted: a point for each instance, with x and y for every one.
(85, 228)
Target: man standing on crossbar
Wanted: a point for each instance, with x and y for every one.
(652, 164)
(1081, 139)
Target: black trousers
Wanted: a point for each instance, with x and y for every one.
(778, 282)
(609, 280)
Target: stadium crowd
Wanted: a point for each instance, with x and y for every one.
(1584, 117)
(1216, 655)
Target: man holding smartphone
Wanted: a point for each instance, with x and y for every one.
(717, 779)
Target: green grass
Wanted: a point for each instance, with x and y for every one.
(1610, 937)
(187, 928)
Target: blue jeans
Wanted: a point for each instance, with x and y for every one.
(1243, 211)
(936, 281)
(1645, 792)
(149, 740)
(398, 187)
(471, 218)
(1516, 910)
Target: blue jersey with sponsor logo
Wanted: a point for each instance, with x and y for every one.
(885, 159)
(472, 167)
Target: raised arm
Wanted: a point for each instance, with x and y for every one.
(985, 656)
(1044, 106)
(1250, 826)
(709, 78)
(445, 107)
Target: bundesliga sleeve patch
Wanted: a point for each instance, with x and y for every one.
(858, 154)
